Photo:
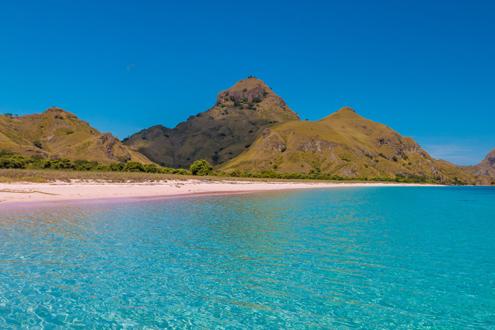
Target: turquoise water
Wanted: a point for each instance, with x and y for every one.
(384, 258)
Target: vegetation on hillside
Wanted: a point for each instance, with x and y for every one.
(343, 145)
(61, 167)
(329, 177)
(12, 161)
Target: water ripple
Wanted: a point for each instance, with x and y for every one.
(402, 258)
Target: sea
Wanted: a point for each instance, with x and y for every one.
(338, 258)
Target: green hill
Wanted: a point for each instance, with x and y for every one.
(219, 134)
(56, 133)
(343, 145)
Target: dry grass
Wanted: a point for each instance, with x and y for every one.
(59, 133)
(345, 145)
(41, 176)
(20, 175)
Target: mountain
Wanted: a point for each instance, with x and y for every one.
(485, 171)
(56, 133)
(250, 130)
(219, 134)
(345, 145)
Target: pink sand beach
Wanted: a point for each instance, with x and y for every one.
(12, 194)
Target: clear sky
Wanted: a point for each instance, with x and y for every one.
(425, 68)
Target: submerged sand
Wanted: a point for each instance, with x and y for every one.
(22, 193)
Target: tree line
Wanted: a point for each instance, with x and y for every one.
(13, 161)
(199, 167)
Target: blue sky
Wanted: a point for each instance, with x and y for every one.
(425, 68)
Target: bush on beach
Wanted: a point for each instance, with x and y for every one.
(201, 167)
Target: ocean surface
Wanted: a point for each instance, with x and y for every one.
(364, 258)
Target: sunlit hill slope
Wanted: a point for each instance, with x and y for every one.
(343, 145)
(56, 133)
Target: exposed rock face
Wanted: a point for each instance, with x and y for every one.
(60, 134)
(489, 161)
(346, 145)
(219, 134)
(484, 171)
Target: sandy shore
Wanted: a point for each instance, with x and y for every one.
(22, 193)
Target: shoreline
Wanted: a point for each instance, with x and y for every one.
(18, 195)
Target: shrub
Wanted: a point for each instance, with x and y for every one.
(38, 144)
(13, 162)
(180, 171)
(200, 167)
(235, 173)
(59, 164)
(133, 167)
(103, 168)
(5, 153)
(85, 165)
(116, 167)
(151, 168)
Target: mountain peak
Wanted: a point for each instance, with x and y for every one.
(55, 109)
(254, 94)
(345, 112)
(224, 131)
(346, 109)
(250, 83)
(59, 112)
(249, 90)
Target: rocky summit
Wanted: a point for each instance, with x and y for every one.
(219, 134)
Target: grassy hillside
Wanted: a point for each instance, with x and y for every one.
(219, 134)
(56, 133)
(343, 145)
(249, 132)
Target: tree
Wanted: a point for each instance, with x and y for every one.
(200, 167)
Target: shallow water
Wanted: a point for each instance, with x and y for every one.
(337, 258)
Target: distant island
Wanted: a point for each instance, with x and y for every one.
(249, 132)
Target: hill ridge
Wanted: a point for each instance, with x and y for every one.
(344, 145)
(57, 133)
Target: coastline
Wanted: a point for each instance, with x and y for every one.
(20, 194)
